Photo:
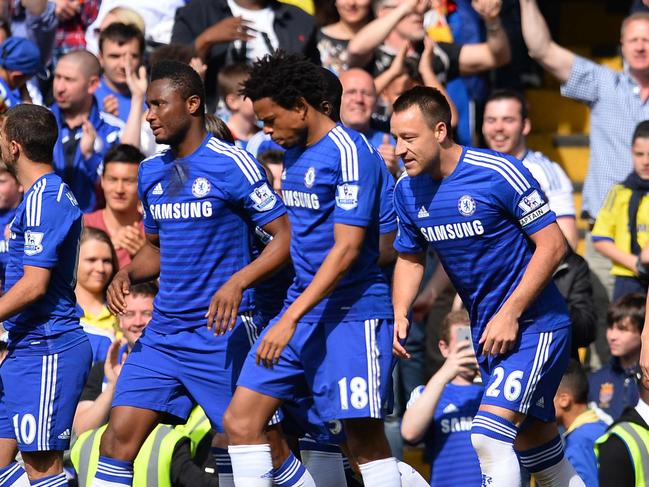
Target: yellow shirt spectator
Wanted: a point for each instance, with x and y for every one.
(102, 321)
(613, 224)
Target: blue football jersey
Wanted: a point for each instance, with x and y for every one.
(478, 220)
(336, 180)
(453, 461)
(202, 207)
(45, 233)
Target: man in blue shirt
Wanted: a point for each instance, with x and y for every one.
(85, 132)
(332, 339)
(198, 197)
(20, 59)
(490, 225)
(49, 354)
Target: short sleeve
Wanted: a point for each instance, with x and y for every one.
(584, 80)
(414, 395)
(150, 224)
(359, 181)
(408, 239)
(49, 218)
(560, 197)
(250, 189)
(387, 216)
(520, 195)
(605, 224)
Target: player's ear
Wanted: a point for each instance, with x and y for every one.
(15, 148)
(443, 348)
(441, 132)
(193, 104)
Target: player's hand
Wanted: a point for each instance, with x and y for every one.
(88, 137)
(388, 152)
(113, 365)
(461, 360)
(224, 307)
(119, 287)
(500, 334)
(487, 9)
(230, 29)
(401, 326)
(111, 105)
(274, 341)
(136, 80)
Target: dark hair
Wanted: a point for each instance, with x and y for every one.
(575, 381)
(506, 94)
(173, 52)
(641, 131)
(231, 78)
(123, 153)
(631, 306)
(218, 128)
(5, 25)
(270, 157)
(121, 33)
(183, 78)
(35, 129)
(285, 78)
(91, 233)
(460, 317)
(432, 103)
(333, 93)
(149, 289)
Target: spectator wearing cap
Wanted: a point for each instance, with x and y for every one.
(20, 59)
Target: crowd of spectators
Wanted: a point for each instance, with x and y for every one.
(88, 60)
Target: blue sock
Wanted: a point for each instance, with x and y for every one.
(542, 457)
(290, 472)
(51, 481)
(11, 473)
(113, 473)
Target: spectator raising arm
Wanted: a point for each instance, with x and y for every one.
(137, 85)
(476, 58)
(556, 59)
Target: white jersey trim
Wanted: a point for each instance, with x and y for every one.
(241, 158)
(348, 153)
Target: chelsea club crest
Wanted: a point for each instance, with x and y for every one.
(201, 187)
(309, 177)
(466, 205)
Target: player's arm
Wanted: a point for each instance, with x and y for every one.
(556, 59)
(348, 241)
(144, 267)
(387, 252)
(408, 273)
(224, 307)
(502, 330)
(31, 287)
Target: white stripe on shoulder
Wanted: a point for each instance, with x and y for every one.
(60, 193)
(505, 163)
(39, 204)
(344, 157)
(498, 169)
(346, 139)
(155, 155)
(244, 160)
(32, 203)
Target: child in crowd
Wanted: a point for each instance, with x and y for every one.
(441, 412)
(613, 387)
(242, 121)
(582, 425)
(621, 230)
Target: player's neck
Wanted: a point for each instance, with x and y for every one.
(192, 141)
(28, 172)
(449, 158)
(319, 126)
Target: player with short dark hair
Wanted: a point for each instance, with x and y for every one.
(489, 223)
(50, 356)
(332, 338)
(204, 191)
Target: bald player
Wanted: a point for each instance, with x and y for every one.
(85, 132)
(356, 108)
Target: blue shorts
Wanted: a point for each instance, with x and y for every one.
(170, 373)
(39, 396)
(526, 379)
(344, 365)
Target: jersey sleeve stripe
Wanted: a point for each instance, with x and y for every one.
(346, 139)
(343, 155)
(236, 157)
(60, 193)
(499, 170)
(507, 165)
(243, 154)
(39, 203)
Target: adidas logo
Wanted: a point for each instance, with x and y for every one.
(158, 189)
(65, 435)
(423, 213)
(540, 403)
(451, 408)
